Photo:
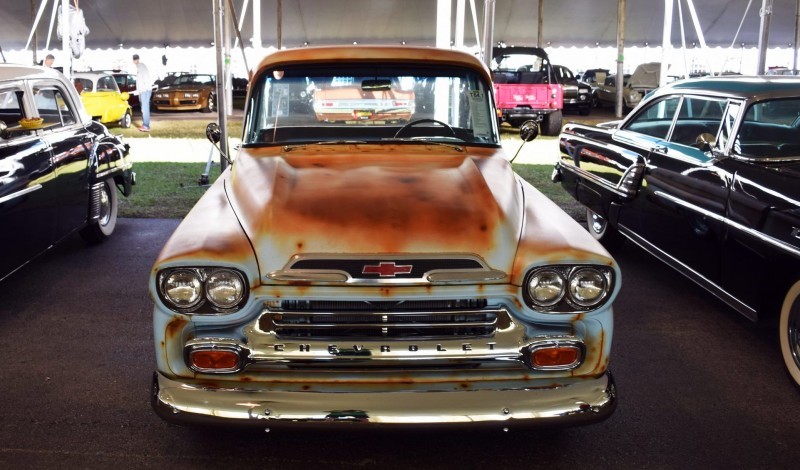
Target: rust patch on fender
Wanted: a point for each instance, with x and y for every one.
(175, 327)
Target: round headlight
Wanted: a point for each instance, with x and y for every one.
(225, 288)
(587, 287)
(183, 288)
(546, 287)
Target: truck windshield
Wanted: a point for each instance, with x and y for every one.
(358, 102)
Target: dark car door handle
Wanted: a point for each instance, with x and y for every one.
(659, 149)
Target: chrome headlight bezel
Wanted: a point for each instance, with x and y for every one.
(574, 286)
(211, 285)
(206, 304)
(546, 282)
(571, 301)
(191, 280)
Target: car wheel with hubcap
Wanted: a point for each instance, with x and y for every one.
(102, 228)
(210, 104)
(126, 120)
(600, 229)
(789, 331)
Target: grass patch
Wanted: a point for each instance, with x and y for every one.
(165, 190)
(179, 129)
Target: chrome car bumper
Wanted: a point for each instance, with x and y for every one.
(575, 402)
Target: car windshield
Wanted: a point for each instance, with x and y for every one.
(518, 63)
(352, 102)
(194, 80)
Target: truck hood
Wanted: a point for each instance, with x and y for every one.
(350, 200)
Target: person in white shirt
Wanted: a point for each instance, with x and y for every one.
(144, 90)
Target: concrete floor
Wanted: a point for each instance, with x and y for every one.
(699, 386)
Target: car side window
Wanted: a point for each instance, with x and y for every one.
(656, 118)
(83, 84)
(106, 84)
(11, 110)
(53, 107)
(770, 129)
(697, 116)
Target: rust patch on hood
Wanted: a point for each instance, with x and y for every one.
(377, 199)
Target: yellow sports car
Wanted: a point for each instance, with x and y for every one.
(102, 99)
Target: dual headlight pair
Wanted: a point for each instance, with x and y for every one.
(202, 290)
(568, 288)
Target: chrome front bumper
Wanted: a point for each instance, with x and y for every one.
(574, 402)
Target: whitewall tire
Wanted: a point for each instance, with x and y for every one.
(789, 331)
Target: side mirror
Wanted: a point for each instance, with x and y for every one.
(124, 95)
(213, 133)
(528, 131)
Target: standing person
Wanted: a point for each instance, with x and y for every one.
(48, 61)
(144, 90)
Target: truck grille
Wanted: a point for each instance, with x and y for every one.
(450, 319)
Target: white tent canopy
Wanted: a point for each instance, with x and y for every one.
(149, 23)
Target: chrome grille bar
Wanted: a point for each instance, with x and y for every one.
(380, 323)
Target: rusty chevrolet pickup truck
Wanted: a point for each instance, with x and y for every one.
(370, 272)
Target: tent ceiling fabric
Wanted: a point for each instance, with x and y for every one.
(149, 23)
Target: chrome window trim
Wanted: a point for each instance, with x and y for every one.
(739, 157)
(20, 193)
(580, 172)
(792, 250)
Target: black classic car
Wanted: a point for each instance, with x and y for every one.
(705, 175)
(59, 170)
(577, 94)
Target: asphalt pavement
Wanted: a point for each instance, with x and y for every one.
(699, 386)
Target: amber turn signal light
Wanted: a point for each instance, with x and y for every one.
(211, 360)
(555, 356)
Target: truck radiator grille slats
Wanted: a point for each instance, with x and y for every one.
(463, 318)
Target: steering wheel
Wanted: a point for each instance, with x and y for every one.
(421, 121)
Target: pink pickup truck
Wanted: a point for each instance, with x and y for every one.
(525, 88)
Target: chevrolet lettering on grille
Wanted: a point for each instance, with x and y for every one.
(387, 269)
